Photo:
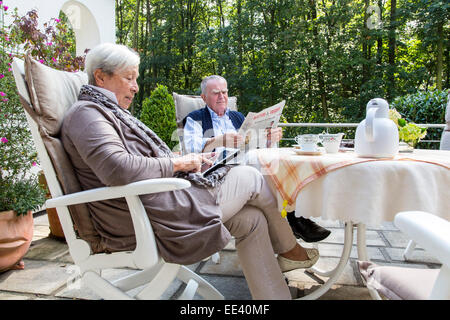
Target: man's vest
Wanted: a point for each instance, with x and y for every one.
(203, 116)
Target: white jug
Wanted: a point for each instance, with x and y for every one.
(377, 135)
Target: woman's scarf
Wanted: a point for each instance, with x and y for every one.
(158, 147)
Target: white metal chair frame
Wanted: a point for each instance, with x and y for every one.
(156, 275)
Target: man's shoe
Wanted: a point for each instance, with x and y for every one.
(306, 229)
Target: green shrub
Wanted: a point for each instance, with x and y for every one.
(158, 113)
(424, 107)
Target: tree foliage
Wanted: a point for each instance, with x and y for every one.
(327, 58)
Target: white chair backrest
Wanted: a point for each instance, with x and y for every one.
(185, 104)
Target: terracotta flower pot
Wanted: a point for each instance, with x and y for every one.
(16, 233)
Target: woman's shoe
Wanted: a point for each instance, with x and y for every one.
(288, 264)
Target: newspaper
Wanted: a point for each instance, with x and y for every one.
(255, 127)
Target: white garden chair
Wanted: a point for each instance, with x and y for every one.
(185, 104)
(444, 145)
(433, 234)
(46, 94)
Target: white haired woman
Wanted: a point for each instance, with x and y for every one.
(108, 147)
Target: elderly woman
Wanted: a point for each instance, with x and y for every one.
(108, 147)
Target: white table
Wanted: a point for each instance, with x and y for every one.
(360, 194)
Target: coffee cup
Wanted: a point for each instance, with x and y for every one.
(307, 142)
(331, 141)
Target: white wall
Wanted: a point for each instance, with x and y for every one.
(93, 22)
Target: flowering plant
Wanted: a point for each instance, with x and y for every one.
(408, 132)
(19, 187)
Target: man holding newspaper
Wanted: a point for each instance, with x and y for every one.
(217, 128)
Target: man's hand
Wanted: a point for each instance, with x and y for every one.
(193, 162)
(231, 140)
(274, 136)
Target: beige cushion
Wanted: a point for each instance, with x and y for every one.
(399, 283)
(185, 104)
(52, 92)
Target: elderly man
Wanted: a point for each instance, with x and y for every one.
(214, 128)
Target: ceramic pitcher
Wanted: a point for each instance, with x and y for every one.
(377, 135)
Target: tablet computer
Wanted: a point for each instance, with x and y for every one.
(221, 163)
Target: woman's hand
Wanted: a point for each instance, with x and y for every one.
(227, 140)
(193, 162)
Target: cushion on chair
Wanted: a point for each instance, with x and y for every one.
(185, 104)
(399, 283)
(52, 92)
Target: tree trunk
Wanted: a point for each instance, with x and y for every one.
(221, 15)
(440, 55)
(136, 25)
(318, 61)
(380, 38)
(447, 84)
(392, 49)
(365, 30)
(119, 19)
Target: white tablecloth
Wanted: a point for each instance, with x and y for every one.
(374, 191)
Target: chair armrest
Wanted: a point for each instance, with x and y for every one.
(428, 230)
(106, 193)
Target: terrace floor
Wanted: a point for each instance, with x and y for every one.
(49, 268)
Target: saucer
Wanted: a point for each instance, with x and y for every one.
(318, 152)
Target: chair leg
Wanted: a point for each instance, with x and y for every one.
(189, 291)
(160, 282)
(409, 250)
(102, 287)
(137, 279)
(205, 289)
(216, 258)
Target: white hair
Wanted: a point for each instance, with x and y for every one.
(205, 81)
(109, 58)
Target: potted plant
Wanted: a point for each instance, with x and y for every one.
(20, 192)
(409, 133)
(20, 189)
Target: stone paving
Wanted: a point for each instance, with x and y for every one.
(49, 270)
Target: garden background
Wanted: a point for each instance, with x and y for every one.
(326, 58)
